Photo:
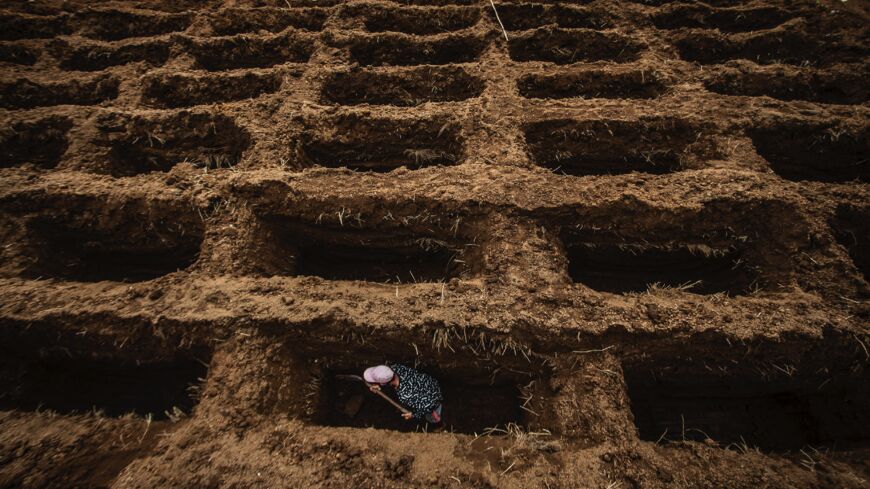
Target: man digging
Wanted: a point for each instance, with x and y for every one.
(416, 390)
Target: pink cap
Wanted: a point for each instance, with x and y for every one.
(378, 375)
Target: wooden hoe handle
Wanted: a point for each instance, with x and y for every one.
(386, 397)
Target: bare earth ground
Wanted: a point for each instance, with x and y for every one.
(631, 241)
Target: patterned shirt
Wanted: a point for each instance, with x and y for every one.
(417, 391)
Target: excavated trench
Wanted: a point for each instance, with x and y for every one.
(95, 57)
(851, 226)
(786, 410)
(114, 25)
(347, 253)
(725, 20)
(606, 263)
(139, 145)
(382, 145)
(408, 88)
(592, 84)
(530, 16)
(232, 21)
(815, 151)
(421, 21)
(242, 51)
(25, 94)
(40, 142)
(566, 46)
(173, 91)
(70, 374)
(471, 403)
(404, 50)
(477, 393)
(91, 252)
(655, 145)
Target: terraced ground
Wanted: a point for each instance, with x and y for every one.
(631, 239)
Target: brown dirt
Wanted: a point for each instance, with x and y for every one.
(631, 241)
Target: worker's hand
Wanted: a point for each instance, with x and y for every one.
(407, 415)
(374, 388)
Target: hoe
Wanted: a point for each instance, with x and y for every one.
(386, 397)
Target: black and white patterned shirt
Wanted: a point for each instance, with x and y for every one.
(417, 391)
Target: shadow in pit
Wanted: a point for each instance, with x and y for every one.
(58, 380)
(774, 413)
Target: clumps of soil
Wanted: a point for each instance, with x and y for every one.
(242, 51)
(382, 145)
(564, 46)
(40, 142)
(421, 21)
(172, 91)
(86, 248)
(402, 88)
(820, 151)
(23, 26)
(835, 85)
(23, 93)
(405, 50)
(625, 84)
(651, 145)
(115, 24)
(231, 21)
(142, 144)
(394, 254)
(98, 56)
(726, 20)
(524, 16)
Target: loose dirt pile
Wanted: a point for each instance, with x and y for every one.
(630, 239)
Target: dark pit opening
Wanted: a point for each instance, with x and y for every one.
(135, 252)
(95, 57)
(25, 94)
(54, 379)
(382, 145)
(766, 47)
(726, 20)
(820, 152)
(172, 91)
(407, 88)
(831, 87)
(231, 21)
(421, 21)
(608, 147)
(351, 253)
(744, 409)
(851, 226)
(472, 403)
(17, 54)
(138, 145)
(16, 26)
(606, 264)
(114, 25)
(243, 51)
(41, 143)
(563, 46)
(592, 84)
(402, 50)
(516, 17)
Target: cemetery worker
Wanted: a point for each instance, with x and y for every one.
(418, 392)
